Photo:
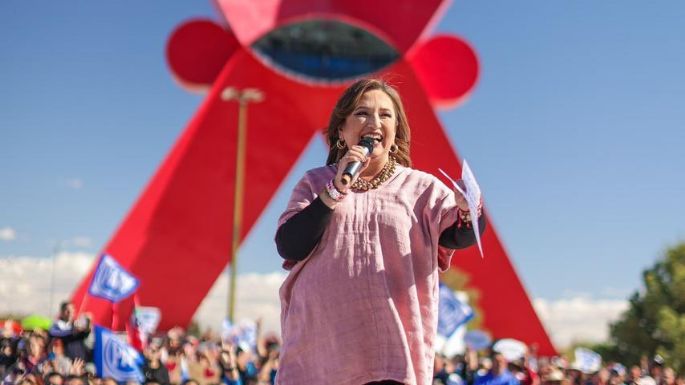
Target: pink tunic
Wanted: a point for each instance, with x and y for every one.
(363, 305)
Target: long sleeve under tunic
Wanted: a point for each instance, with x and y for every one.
(298, 236)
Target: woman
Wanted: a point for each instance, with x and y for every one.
(360, 303)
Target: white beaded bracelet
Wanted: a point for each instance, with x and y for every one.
(333, 192)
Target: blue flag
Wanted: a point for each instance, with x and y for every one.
(587, 361)
(243, 334)
(111, 281)
(452, 313)
(115, 358)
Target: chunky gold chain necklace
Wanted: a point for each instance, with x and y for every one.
(386, 172)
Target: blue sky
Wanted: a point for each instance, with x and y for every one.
(575, 130)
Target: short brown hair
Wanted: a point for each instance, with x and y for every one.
(346, 104)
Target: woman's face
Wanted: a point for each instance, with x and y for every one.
(35, 346)
(373, 116)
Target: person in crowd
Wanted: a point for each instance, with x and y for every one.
(174, 364)
(205, 367)
(72, 333)
(668, 376)
(575, 376)
(634, 375)
(153, 369)
(638, 376)
(26, 381)
(245, 364)
(229, 367)
(656, 368)
(523, 372)
(8, 347)
(109, 381)
(74, 379)
(33, 354)
(269, 368)
(59, 362)
(445, 372)
(365, 250)
(499, 374)
(53, 378)
(601, 377)
(553, 376)
(617, 375)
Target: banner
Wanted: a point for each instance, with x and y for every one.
(115, 358)
(510, 348)
(477, 340)
(111, 281)
(452, 312)
(148, 318)
(587, 361)
(243, 335)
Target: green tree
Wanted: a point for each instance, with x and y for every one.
(655, 320)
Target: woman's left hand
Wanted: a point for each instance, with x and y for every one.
(462, 203)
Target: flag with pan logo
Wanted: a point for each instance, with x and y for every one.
(111, 281)
(115, 358)
(452, 312)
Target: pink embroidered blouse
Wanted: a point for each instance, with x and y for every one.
(362, 306)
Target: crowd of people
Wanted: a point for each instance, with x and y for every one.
(63, 355)
(496, 369)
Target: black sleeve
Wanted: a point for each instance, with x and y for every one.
(459, 238)
(298, 236)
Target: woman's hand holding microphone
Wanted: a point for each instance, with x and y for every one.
(337, 189)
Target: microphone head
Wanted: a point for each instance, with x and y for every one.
(368, 142)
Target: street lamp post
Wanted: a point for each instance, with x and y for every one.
(243, 97)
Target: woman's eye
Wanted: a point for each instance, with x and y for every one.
(361, 113)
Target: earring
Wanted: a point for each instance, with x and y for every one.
(340, 144)
(394, 148)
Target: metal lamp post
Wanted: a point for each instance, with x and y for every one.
(243, 97)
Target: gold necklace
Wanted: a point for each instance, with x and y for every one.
(386, 172)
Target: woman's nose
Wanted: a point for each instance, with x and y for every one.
(374, 120)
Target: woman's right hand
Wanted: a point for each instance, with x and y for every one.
(354, 154)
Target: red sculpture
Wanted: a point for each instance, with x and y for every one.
(176, 239)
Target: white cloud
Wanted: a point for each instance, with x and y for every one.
(26, 284)
(7, 234)
(257, 298)
(578, 319)
(25, 288)
(74, 183)
(27, 281)
(81, 242)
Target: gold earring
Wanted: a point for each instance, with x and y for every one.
(340, 144)
(394, 148)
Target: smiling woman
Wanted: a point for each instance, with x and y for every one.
(364, 257)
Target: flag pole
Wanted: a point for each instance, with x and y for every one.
(243, 97)
(56, 250)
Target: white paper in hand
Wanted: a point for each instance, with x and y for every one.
(472, 195)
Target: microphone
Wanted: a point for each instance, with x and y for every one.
(352, 168)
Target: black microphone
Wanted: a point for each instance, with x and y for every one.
(352, 168)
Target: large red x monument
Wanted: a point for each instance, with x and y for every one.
(301, 54)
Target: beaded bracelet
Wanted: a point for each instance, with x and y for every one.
(333, 192)
(464, 216)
